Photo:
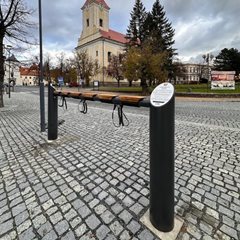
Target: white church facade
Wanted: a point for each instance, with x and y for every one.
(97, 38)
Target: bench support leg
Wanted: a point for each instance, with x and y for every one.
(52, 114)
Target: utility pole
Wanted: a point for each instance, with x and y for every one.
(8, 48)
(9, 69)
(208, 58)
(41, 83)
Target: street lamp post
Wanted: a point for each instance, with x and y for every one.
(9, 75)
(8, 48)
(41, 83)
(207, 58)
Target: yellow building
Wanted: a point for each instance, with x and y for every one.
(97, 39)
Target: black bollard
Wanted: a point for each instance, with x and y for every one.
(52, 114)
(162, 111)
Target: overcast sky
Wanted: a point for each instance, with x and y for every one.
(201, 26)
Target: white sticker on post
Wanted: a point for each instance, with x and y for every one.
(161, 94)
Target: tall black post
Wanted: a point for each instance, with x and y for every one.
(41, 83)
(52, 114)
(162, 111)
(9, 89)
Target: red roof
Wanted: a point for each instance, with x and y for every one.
(24, 70)
(102, 2)
(113, 35)
(29, 71)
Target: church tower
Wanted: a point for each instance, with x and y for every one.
(95, 17)
(97, 39)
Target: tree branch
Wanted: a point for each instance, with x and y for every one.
(9, 11)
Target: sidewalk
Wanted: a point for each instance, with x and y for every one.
(93, 182)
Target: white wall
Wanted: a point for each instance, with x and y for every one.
(14, 69)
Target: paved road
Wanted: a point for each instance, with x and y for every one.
(92, 183)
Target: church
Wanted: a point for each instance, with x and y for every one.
(97, 38)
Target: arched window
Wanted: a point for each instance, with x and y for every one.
(100, 22)
(109, 56)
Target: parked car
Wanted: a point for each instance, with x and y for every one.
(73, 84)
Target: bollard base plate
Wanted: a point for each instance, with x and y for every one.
(51, 141)
(178, 222)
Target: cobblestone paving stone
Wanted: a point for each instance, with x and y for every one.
(93, 182)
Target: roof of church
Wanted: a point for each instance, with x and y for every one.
(96, 1)
(113, 35)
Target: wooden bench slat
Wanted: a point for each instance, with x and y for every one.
(130, 99)
(106, 96)
(88, 95)
(75, 94)
(63, 93)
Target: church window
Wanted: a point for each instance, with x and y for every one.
(87, 22)
(96, 53)
(100, 22)
(109, 56)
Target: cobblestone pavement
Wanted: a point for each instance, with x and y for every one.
(93, 182)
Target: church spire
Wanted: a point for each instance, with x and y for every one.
(99, 2)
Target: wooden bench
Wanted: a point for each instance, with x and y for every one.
(103, 97)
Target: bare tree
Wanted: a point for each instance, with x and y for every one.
(115, 67)
(202, 72)
(61, 62)
(65, 68)
(14, 25)
(47, 68)
(86, 67)
(70, 73)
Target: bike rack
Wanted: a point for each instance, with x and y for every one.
(127, 100)
(162, 117)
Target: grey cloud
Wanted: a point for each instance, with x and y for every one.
(223, 33)
(200, 25)
(62, 21)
